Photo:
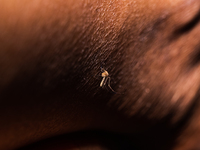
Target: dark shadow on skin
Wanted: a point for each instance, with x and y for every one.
(163, 135)
(188, 117)
(85, 140)
(190, 25)
(196, 56)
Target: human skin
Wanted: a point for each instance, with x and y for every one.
(51, 54)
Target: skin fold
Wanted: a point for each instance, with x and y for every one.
(51, 54)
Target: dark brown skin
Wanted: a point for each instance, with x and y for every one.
(51, 54)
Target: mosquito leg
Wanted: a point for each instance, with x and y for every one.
(109, 85)
(102, 82)
(106, 79)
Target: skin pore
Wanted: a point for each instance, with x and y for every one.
(51, 54)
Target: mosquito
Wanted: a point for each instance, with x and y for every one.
(106, 79)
